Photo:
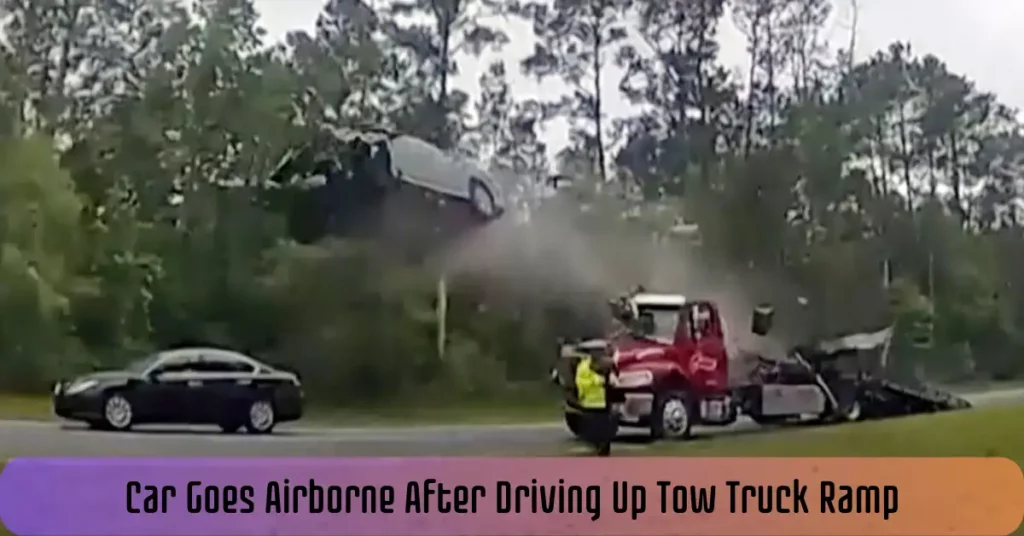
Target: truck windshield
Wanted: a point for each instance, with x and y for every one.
(665, 321)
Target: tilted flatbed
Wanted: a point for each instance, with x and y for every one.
(890, 398)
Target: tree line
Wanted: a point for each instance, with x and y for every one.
(137, 138)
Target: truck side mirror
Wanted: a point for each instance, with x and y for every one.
(761, 320)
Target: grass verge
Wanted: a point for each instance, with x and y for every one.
(531, 409)
(25, 407)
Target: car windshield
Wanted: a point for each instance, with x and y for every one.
(142, 365)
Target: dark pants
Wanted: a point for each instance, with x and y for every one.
(598, 429)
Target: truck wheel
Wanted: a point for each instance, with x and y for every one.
(574, 422)
(672, 416)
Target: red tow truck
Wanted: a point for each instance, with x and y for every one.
(671, 372)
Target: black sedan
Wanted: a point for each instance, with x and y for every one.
(184, 386)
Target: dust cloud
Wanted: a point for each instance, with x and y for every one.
(553, 256)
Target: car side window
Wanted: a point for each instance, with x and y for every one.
(220, 362)
(183, 363)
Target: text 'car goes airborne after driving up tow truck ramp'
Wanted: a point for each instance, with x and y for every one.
(511, 496)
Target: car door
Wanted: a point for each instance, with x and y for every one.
(228, 380)
(427, 166)
(170, 388)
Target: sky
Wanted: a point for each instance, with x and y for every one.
(978, 38)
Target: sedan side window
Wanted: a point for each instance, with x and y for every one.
(224, 363)
(178, 364)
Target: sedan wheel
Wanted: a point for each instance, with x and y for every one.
(261, 418)
(482, 199)
(117, 412)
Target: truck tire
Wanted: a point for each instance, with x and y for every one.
(672, 416)
(574, 422)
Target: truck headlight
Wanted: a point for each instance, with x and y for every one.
(632, 379)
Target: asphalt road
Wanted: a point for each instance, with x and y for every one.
(32, 438)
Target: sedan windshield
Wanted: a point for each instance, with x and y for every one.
(142, 365)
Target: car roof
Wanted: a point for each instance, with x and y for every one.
(175, 352)
(652, 299)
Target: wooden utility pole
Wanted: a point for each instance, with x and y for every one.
(442, 315)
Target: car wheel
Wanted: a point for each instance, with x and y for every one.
(260, 417)
(117, 412)
(482, 199)
(854, 412)
(672, 417)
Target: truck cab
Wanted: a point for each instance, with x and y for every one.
(671, 368)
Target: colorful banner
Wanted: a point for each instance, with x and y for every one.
(511, 496)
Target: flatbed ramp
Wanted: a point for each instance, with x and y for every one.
(892, 398)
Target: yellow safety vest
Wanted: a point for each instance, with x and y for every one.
(589, 385)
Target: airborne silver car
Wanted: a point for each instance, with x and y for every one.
(386, 156)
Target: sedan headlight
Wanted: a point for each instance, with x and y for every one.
(80, 386)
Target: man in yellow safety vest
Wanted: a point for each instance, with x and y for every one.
(591, 390)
